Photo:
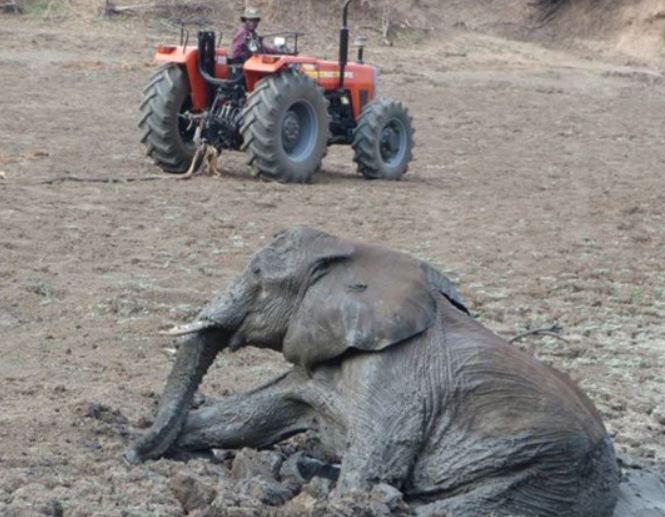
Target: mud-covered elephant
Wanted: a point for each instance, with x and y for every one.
(399, 382)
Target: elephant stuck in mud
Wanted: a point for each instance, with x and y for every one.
(398, 381)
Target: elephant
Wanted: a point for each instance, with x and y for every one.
(397, 379)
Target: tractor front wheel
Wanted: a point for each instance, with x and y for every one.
(167, 135)
(383, 140)
(285, 128)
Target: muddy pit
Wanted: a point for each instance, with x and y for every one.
(537, 185)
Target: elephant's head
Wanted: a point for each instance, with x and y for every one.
(313, 297)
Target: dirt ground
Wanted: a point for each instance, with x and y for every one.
(537, 186)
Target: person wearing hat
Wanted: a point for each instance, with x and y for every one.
(246, 40)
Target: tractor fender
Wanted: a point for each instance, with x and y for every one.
(262, 65)
(187, 58)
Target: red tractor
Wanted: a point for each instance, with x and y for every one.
(283, 110)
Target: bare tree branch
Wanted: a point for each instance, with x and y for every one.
(552, 331)
(79, 179)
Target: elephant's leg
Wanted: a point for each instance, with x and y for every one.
(383, 443)
(259, 418)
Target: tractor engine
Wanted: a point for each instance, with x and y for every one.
(224, 124)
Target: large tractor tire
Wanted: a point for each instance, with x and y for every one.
(285, 128)
(383, 140)
(166, 135)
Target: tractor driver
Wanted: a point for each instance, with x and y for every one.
(247, 42)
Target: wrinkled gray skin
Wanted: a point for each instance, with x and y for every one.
(399, 382)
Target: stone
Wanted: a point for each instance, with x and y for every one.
(266, 491)
(250, 463)
(192, 493)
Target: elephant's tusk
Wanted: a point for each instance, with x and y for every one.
(187, 328)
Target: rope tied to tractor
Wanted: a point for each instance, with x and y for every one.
(204, 161)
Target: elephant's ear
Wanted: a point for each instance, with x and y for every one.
(442, 284)
(368, 301)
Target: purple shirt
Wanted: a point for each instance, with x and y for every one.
(240, 50)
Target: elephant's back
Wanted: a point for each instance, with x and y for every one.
(502, 391)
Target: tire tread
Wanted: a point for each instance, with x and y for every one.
(260, 133)
(367, 156)
(161, 97)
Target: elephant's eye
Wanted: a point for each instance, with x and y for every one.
(256, 271)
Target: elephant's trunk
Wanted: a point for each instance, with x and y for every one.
(194, 357)
(210, 332)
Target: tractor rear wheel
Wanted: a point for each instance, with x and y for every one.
(383, 140)
(285, 128)
(167, 135)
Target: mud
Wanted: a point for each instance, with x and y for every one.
(537, 185)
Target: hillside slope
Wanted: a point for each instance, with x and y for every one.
(635, 28)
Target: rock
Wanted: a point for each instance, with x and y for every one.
(191, 492)
(290, 470)
(351, 506)
(311, 467)
(250, 463)
(266, 491)
(301, 469)
(319, 488)
(223, 455)
(303, 504)
(388, 495)
(230, 503)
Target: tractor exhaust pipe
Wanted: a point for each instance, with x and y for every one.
(207, 58)
(207, 64)
(343, 44)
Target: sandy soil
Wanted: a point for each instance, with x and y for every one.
(537, 185)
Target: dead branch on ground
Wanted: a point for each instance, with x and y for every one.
(552, 331)
(80, 179)
(110, 8)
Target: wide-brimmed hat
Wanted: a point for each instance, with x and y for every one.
(251, 13)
